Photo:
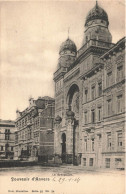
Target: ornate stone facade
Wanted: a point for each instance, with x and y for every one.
(34, 138)
(89, 98)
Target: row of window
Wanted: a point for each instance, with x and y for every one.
(93, 115)
(25, 135)
(7, 134)
(99, 111)
(23, 122)
(118, 162)
(93, 92)
(36, 123)
(6, 148)
(119, 105)
(109, 81)
(91, 161)
(109, 142)
(86, 144)
(109, 77)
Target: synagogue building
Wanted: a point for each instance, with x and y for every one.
(90, 98)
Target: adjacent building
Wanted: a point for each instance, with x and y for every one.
(90, 98)
(7, 139)
(34, 138)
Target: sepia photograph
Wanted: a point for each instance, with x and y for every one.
(62, 97)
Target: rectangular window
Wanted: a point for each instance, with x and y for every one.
(119, 73)
(118, 162)
(86, 95)
(99, 114)
(91, 162)
(109, 141)
(85, 117)
(109, 106)
(7, 134)
(12, 149)
(16, 137)
(109, 79)
(92, 144)
(93, 116)
(1, 148)
(30, 134)
(93, 92)
(100, 89)
(107, 162)
(23, 123)
(119, 104)
(25, 120)
(85, 143)
(84, 161)
(120, 139)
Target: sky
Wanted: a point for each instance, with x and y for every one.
(31, 33)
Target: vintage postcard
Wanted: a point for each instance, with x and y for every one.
(62, 99)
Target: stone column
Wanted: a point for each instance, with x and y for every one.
(69, 137)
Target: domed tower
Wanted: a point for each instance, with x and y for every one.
(96, 25)
(67, 52)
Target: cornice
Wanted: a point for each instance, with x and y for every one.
(72, 75)
(92, 71)
(116, 47)
(115, 85)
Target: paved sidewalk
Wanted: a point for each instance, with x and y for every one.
(105, 170)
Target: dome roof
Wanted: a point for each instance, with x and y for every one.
(96, 13)
(68, 45)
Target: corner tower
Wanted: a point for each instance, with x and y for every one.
(67, 52)
(96, 25)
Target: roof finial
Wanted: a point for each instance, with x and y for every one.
(68, 32)
(96, 3)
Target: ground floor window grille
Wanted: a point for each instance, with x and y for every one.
(84, 161)
(107, 162)
(91, 162)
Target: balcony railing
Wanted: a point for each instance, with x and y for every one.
(96, 43)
